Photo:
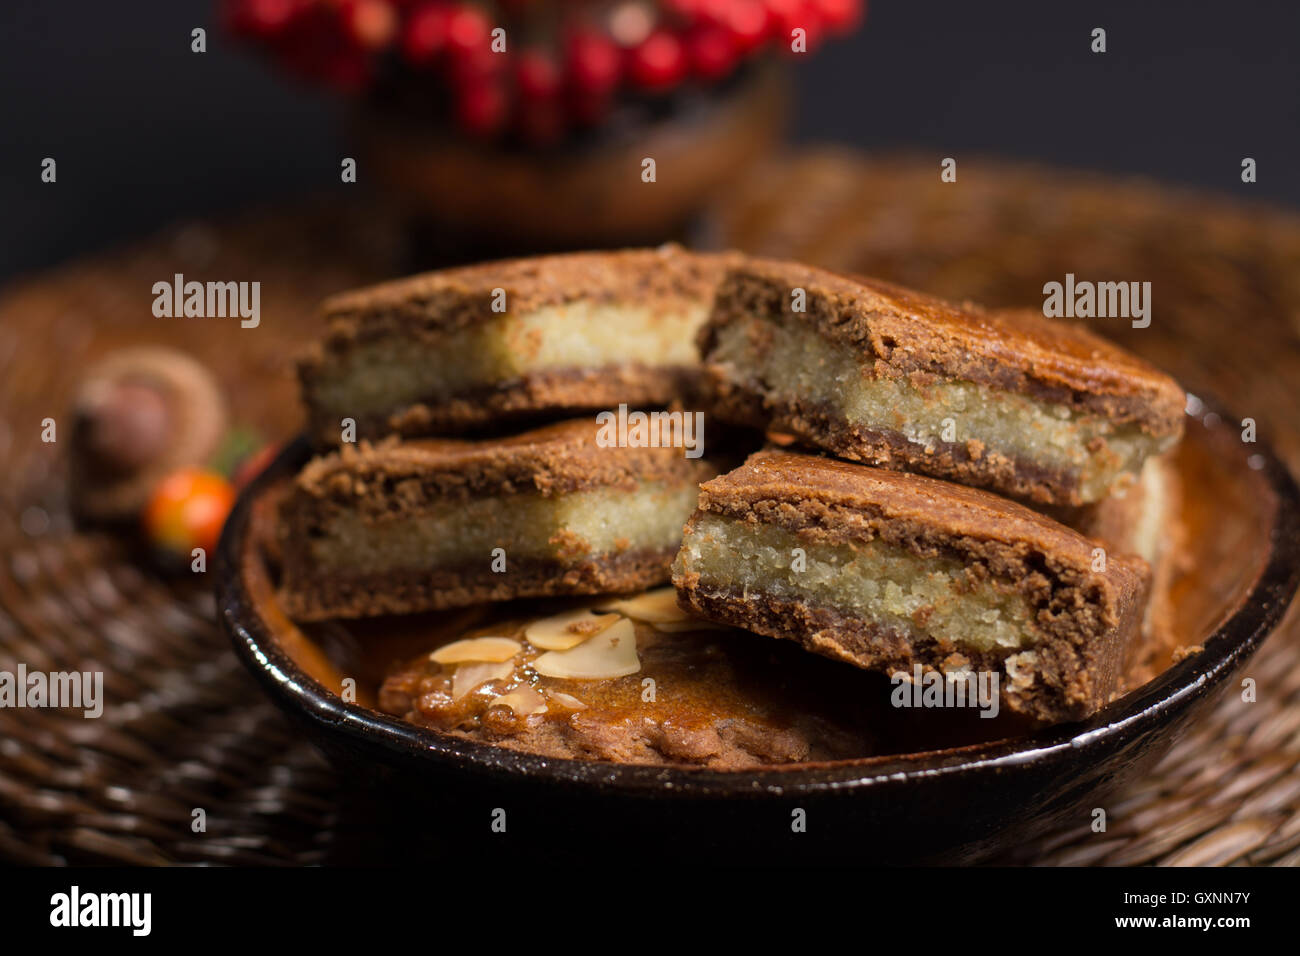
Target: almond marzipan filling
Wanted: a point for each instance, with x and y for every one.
(385, 373)
(799, 362)
(565, 527)
(872, 580)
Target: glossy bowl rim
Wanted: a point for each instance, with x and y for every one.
(1137, 713)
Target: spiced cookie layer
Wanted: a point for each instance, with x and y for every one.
(504, 342)
(398, 527)
(1008, 401)
(888, 571)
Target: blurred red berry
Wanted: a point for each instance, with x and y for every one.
(747, 23)
(658, 63)
(840, 16)
(336, 41)
(713, 11)
(537, 76)
(712, 52)
(787, 16)
(424, 36)
(593, 64)
(468, 31)
(370, 24)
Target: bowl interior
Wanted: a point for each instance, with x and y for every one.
(1239, 508)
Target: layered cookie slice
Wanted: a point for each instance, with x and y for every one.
(409, 526)
(899, 573)
(1011, 401)
(504, 342)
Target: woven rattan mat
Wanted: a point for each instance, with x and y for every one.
(187, 727)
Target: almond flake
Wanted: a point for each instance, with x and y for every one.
(563, 631)
(493, 649)
(653, 607)
(470, 676)
(610, 654)
(524, 701)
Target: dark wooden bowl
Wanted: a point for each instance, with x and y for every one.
(586, 194)
(955, 804)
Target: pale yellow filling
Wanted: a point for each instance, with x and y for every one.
(386, 373)
(799, 362)
(926, 597)
(1149, 531)
(564, 527)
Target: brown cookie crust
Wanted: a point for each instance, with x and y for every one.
(308, 595)
(456, 298)
(1064, 681)
(911, 334)
(548, 394)
(404, 477)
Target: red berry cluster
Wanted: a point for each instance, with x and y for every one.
(563, 64)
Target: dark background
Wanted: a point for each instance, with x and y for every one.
(146, 132)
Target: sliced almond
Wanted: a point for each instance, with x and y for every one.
(493, 649)
(566, 700)
(610, 654)
(469, 676)
(563, 631)
(524, 701)
(653, 607)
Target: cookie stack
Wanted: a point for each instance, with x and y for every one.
(942, 490)
(933, 559)
(453, 471)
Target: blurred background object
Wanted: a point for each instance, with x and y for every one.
(116, 95)
(511, 126)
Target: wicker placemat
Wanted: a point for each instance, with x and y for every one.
(188, 729)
